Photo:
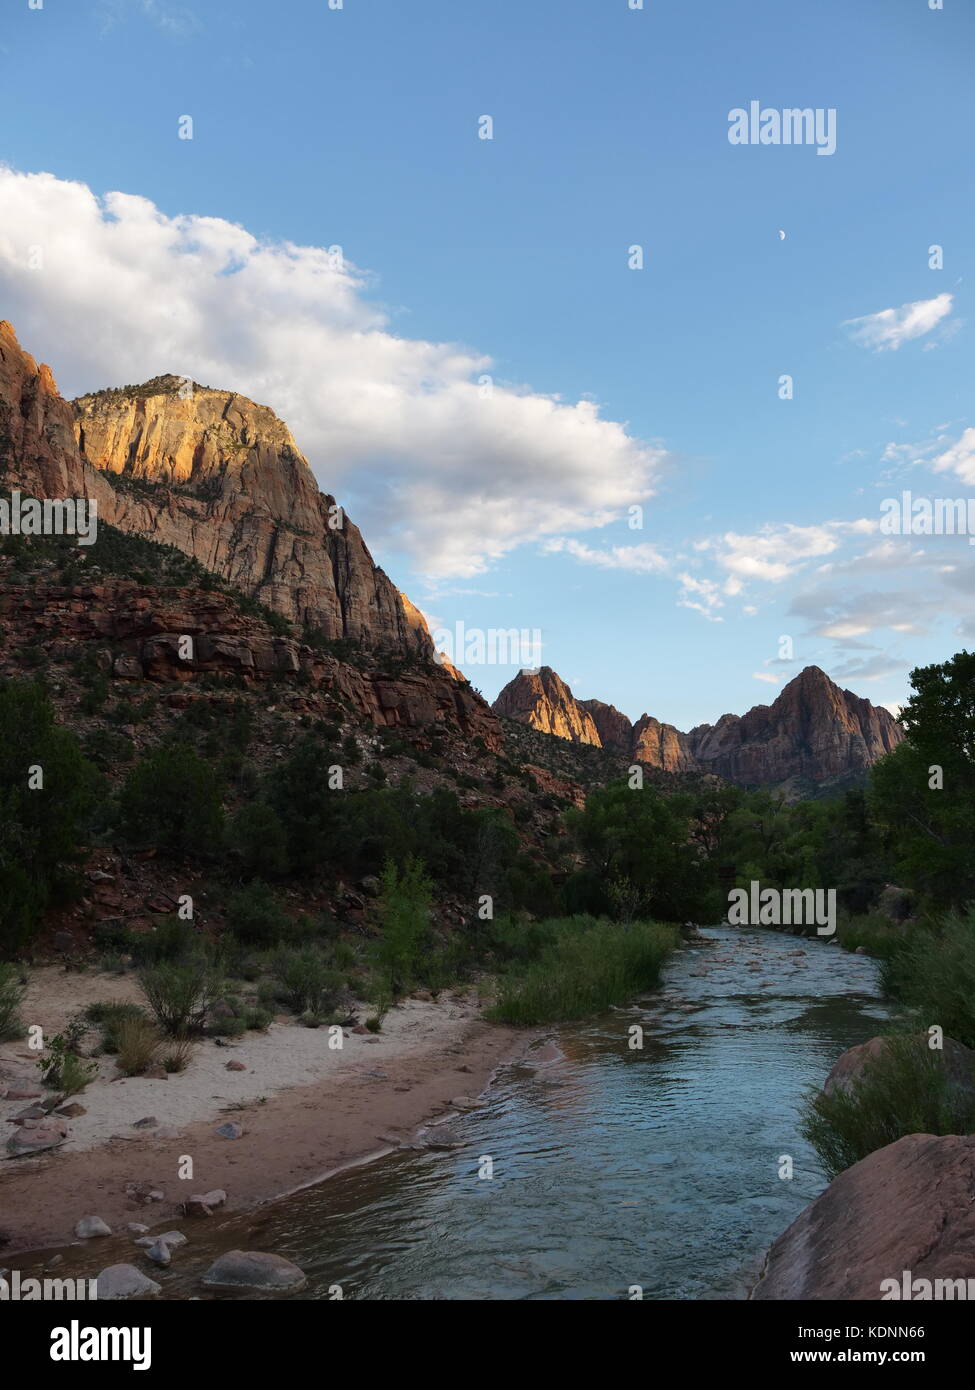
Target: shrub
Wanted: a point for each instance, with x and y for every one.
(585, 970)
(258, 837)
(308, 983)
(256, 917)
(11, 994)
(172, 939)
(905, 1090)
(179, 995)
(934, 973)
(62, 1069)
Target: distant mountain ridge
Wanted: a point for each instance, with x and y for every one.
(812, 732)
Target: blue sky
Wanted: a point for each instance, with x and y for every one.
(463, 258)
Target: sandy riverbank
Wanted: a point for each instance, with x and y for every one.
(305, 1110)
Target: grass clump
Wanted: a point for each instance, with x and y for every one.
(907, 1089)
(586, 968)
(110, 1016)
(11, 995)
(138, 1045)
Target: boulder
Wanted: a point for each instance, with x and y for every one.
(34, 1136)
(850, 1066)
(907, 1207)
(251, 1269)
(124, 1281)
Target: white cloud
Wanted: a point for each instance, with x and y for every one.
(701, 595)
(776, 552)
(399, 428)
(959, 458)
(638, 559)
(886, 331)
(766, 676)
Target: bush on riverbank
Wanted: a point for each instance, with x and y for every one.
(587, 967)
(933, 972)
(906, 1090)
(876, 933)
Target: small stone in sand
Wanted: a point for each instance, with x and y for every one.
(230, 1131)
(236, 1066)
(90, 1226)
(148, 1122)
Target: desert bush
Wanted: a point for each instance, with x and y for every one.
(62, 1069)
(179, 995)
(308, 982)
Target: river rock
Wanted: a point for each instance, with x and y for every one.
(90, 1226)
(251, 1269)
(905, 1207)
(159, 1253)
(170, 1237)
(850, 1066)
(124, 1281)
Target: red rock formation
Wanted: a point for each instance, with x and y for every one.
(814, 731)
(614, 729)
(213, 474)
(906, 1207)
(222, 479)
(661, 745)
(135, 632)
(542, 700)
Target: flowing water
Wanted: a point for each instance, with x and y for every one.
(613, 1166)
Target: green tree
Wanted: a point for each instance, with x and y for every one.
(923, 793)
(171, 799)
(47, 788)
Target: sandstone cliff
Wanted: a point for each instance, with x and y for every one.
(542, 700)
(216, 476)
(813, 732)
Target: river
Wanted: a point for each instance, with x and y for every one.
(596, 1168)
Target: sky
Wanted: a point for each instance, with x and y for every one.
(607, 377)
